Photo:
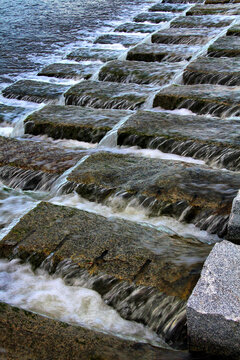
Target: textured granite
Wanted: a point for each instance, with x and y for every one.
(234, 221)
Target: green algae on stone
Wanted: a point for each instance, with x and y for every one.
(133, 27)
(125, 40)
(69, 71)
(153, 18)
(226, 9)
(73, 122)
(189, 36)
(201, 21)
(168, 7)
(88, 53)
(227, 46)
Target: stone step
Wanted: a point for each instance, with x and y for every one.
(125, 40)
(20, 341)
(207, 70)
(154, 18)
(11, 113)
(35, 91)
(138, 72)
(227, 46)
(30, 165)
(133, 27)
(191, 193)
(201, 99)
(107, 95)
(183, 36)
(225, 9)
(94, 54)
(168, 7)
(70, 71)
(205, 21)
(185, 135)
(234, 30)
(161, 52)
(183, 1)
(222, 1)
(73, 122)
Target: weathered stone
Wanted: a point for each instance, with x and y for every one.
(221, 1)
(36, 91)
(183, 36)
(138, 72)
(168, 7)
(234, 31)
(70, 71)
(131, 27)
(182, 1)
(88, 53)
(201, 21)
(209, 70)
(125, 40)
(226, 46)
(214, 10)
(158, 52)
(234, 222)
(201, 99)
(26, 335)
(186, 136)
(107, 95)
(153, 18)
(160, 185)
(213, 308)
(11, 113)
(73, 122)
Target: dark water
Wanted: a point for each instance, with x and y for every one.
(31, 31)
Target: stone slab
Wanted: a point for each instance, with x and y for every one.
(107, 95)
(201, 99)
(138, 72)
(133, 27)
(69, 71)
(205, 21)
(11, 113)
(233, 234)
(168, 7)
(161, 52)
(222, 9)
(73, 122)
(153, 18)
(88, 53)
(213, 308)
(234, 30)
(209, 70)
(189, 36)
(161, 186)
(227, 46)
(35, 91)
(125, 40)
(222, 1)
(185, 135)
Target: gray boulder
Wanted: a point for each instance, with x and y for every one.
(234, 222)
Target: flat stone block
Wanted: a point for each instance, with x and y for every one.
(70, 71)
(201, 99)
(185, 135)
(213, 308)
(73, 122)
(36, 91)
(222, 1)
(209, 70)
(138, 72)
(133, 27)
(107, 95)
(88, 53)
(153, 18)
(125, 40)
(234, 31)
(226, 9)
(227, 46)
(201, 21)
(158, 52)
(168, 7)
(183, 1)
(183, 36)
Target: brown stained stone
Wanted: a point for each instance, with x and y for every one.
(155, 18)
(125, 40)
(133, 27)
(201, 99)
(32, 155)
(161, 52)
(69, 71)
(183, 36)
(88, 53)
(227, 46)
(138, 72)
(209, 70)
(119, 248)
(36, 91)
(205, 21)
(73, 122)
(160, 185)
(225, 9)
(25, 335)
(107, 95)
(168, 7)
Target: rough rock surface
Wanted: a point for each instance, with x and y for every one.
(201, 21)
(220, 9)
(69, 71)
(234, 222)
(89, 53)
(227, 46)
(152, 17)
(214, 307)
(131, 27)
(125, 40)
(183, 36)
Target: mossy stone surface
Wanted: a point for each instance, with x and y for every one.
(69, 71)
(153, 18)
(131, 27)
(88, 53)
(189, 36)
(125, 40)
(205, 21)
(227, 46)
(216, 9)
